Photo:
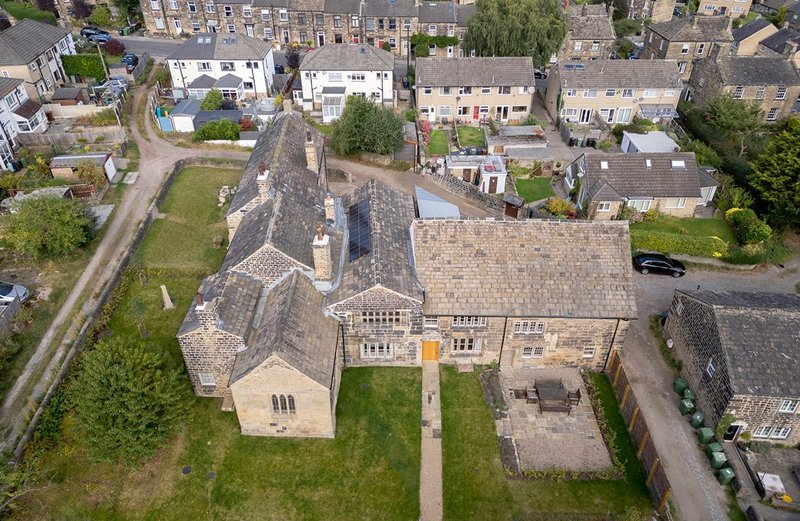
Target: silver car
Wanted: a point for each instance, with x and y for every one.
(8, 291)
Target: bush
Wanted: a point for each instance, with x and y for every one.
(21, 11)
(665, 242)
(626, 27)
(386, 46)
(86, 65)
(90, 173)
(212, 101)
(114, 47)
(411, 115)
(560, 208)
(653, 215)
(100, 16)
(748, 227)
(49, 227)
(104, 118)
(366, 127)
(246, 125)
(221, 129)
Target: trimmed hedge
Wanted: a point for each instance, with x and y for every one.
(748, 227)
(87, 65)
(700, 246)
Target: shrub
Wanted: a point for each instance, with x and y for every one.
(386, 46)
(653, 215)
(81, 9)
(212, 101)
(559, 207)
(246, 125)
(411, 115)
(748, 227)
(278, 100)
(114, 47)
(626, 27)
(700, 246)
(49, 227)
(104, 118)
(730, 195)
(221, 129)
(86, 65)
(365, 126)
(101, 16)
(90, 173)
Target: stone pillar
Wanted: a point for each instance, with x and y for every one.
(330, 209)
(321, 247)
(311, 152)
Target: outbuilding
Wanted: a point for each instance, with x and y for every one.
(65, 166)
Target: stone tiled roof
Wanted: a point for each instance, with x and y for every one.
(348, 57)
(387, 264)
(20, 44)
(393, 8)
(619, 74)
(270, 3)
(777, 41)
(236, 296)
(749, 29)
(590, 22)
(437, 12)
(221, 46)
(294, 328)
(760, 336)
(695, 29)
(478, 72)
(629, 176)
(756, 70)
(532, 268)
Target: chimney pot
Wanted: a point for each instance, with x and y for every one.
(321, 250)
(198, 299)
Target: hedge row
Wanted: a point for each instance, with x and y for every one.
(700, 246)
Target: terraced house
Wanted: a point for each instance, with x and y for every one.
(314, 22)
(590, 33)
(313, 283)
(686, 40)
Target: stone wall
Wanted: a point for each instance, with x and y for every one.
(763, 411)
(458, 187)
(268, 265)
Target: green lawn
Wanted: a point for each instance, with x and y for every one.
(326, 129)
(20, 11)
(439, 145)
(534, 189)
(700, 227)
(471, 136)
(370, 471)
(475, 486)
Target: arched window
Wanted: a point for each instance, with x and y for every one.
(275, 407)
(283, 404)
(291, 405)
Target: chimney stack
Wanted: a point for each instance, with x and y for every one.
(790, 50)
(321, 248)
(199, 303)
(311, 152)
(330, 209)
(287, 105)
(694, 20)
(262, 180)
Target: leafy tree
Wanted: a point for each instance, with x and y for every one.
(212, 101)
(45, 5)
(292, 58)
(114, 47)
(621, 9)
(366, 127)
(737, 120)
(49, 227)
(81, 9)
(533, 28)
(126, 400)
(748, 227)
(776, 176)
(706, 156)
(779, 18)
(626, 27)
(90, 173)
(220, 129)
(101, 16)
(129, 7)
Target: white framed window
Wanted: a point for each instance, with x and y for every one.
(483, 110)
(377, 350)
(669, 93)
(393, 42)
(154, 5)
(589, 93)
(595, 46)
(737, 9)
(711, 369)
(465, 91)
(195, 26)
(469, 321)
(432, 30)
(772, 115)
(173, 5)
(611, 93)
(781, 433)
(247, 11)
(427, 90)
(445, 110)
(762, 431)
(159, 22)
(709, 7)
(358, 76)
(444, 91)
(486, 90)
(451, 30)
(203, 66)
(177, 24)
(207, 380)
(354, 21)
(227, 66)
(529, 327)
(463, 111)
(335, 77)
(685, 48)
(640, 205)
(524, 89)
(588, 352)
(676, 202)
(431, 322)
(571, 93)
(760, 92)
(283, 15)
(700, 48)
(533, 352)
(266, 15)
(578, 46)
(738, 92)
(231, 28)
(518, 109)
(781, 94)
(210, 7)
(604, 207)
(381, 317)
(681, 67)
(466, 345)
(268, 33)
(650, 93)
(504, 90)
(788, 406)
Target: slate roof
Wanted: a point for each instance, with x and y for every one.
(387, 264)
(749, 29)
(464, 12)
(478, 72)
(531, 268)
(72, 160)
(204, 81)
(343, 6)
(394, 8)
(438, 12)
(221, 46)
(590, 22)
(348, 57)
(7, 85)
(655, 141)
(695, 29)
(20, 44)
(294, 328)
(228, 81)
(628, 176)
(235, 296)
(204, 116)
(756, 70)
(760, 336)
(270, 3)
(618, 74)
(777, 41)
(188, 107)
(65, 93)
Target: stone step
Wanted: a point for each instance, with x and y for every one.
(227, 404)
(465, 367)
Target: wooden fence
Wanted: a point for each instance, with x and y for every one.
(657, 480)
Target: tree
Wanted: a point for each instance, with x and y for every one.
(90, 173)
(81, 9)
(126, 400)
(292, 57)
(386, 46)
(737, 120)
(533, 28)
(101, 16)
(49, 227)
(129, 7)
(45, 5)
(220, 129)
(776, 176)
(212, 101)
(621, 9)
(114, 47)
(365, 126)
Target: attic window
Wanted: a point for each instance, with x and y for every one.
(603, 165)
(648, 163)
(203, 39)
(678, 164)
(229, 40)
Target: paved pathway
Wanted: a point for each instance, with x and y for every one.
(430, 471)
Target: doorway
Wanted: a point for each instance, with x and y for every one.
(430, 350)
(501, 112)
(732, 433)
(493, 185)
(586, 116)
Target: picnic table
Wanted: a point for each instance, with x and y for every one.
(553, 396)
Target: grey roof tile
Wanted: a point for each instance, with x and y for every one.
(464, 12)
(777, 41)
(437, 12)
(478, 72)
(389, 8)
(749, 29)
(756, 70)
(20, 44)
(348, 57)
(221, 46)
(7, 85)
(695, 29)
(619, 74)
(343, 6)
(590, 22)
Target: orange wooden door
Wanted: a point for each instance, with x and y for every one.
(430, 350)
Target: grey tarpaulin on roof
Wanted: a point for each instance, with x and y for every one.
(431, 206)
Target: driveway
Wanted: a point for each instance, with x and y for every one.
(156, 47)
(696, 493)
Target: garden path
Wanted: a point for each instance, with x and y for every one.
(430, 482)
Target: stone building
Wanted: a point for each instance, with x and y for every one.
(739, 353)
(773, 82)
(312, 284)
(590, 33)
(783, 43)
(686, 40)
(655, 10)
(732, 8)
(444, 19)
(746, 38)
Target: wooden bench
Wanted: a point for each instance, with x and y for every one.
(555, 407)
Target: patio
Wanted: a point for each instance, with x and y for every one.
(567, 439)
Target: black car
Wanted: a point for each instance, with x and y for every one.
(131, 60)
(89, 31)
(99, 38)
(657, 263)
(539, 74)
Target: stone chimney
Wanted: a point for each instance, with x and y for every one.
(287, 105)
(262, 179)
(311, 152)
(790, 49)
(321, 248)
(330, 209)
(694, 20)
(199, 303)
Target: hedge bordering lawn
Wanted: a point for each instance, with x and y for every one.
(673, 243)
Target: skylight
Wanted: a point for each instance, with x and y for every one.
(603, 165)
(648, 163)
(678, 164)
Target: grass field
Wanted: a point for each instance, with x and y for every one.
(370, 471)
(708, 227)
(471, 136)
(439, 145)
(475, 486)
(534, 189)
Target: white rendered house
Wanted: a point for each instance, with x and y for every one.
(18, 115)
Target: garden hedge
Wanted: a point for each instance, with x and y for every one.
(87, 65)
(700, 246)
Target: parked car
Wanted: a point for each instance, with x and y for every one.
(539, 74)
(131, 60)
(119, 81)
(89, 31)
(657, 263)
(8, 291)
(99, 38)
